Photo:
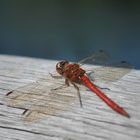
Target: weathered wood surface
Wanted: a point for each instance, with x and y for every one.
(70, 122)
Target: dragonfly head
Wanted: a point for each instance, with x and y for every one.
(60, 66)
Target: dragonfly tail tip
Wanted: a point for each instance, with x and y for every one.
(128, 116)
(124, 113)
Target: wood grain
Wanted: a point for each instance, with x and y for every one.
(68, 121)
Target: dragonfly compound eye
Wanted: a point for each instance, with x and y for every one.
(60, 66)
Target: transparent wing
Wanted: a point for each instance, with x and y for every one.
(111, 73)
(107, 72)
(39, 100)
(99, 58)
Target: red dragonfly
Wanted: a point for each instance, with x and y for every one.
(74, 74)
(38, 101)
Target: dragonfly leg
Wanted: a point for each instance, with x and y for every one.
(24, 112)
(67, 82)
(63, 86)
(60, 87)
(89, 72)
(101, 87)
(89, 75)
(55, 76)
(7, 94)
(78, 93)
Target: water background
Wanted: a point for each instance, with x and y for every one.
(72, 30)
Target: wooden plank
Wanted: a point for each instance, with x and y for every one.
(57, 115)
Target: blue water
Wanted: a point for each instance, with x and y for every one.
(71, 30)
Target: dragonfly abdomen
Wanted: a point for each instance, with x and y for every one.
(106, 99)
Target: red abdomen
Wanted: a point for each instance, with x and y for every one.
(106, 99)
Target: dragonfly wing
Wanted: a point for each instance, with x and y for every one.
(111, 73)
(39, 100)
(107, 72)
(98, 58)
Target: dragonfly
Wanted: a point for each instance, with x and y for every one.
(39, 100)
